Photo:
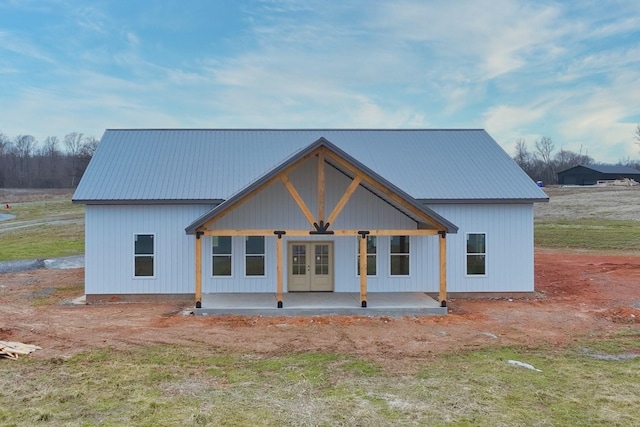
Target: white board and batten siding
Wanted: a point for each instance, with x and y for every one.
(110, 232)
(509, 246)
(109, 248)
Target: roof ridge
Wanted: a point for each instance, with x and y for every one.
(299, 129)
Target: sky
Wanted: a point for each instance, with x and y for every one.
(567, 70)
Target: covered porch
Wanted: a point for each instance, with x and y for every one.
(422, 223)
(321, 303)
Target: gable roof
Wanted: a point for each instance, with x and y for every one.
(608, 169)
(348, 166)
(211, 165)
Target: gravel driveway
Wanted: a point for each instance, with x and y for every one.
(76, 261)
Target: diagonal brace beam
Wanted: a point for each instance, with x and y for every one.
(344, 199)
(296, 197)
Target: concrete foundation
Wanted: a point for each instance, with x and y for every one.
(321, 303)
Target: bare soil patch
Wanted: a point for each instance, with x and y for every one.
(579, 295)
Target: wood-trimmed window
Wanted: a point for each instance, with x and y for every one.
(222, 256)
(143, 255)
(476, 259)
(372, 256)
(254, 255)
(399, 255)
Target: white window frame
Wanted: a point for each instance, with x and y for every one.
(391, 255)
(153, 256)
(466, 255)
(368, 254)
(263, 254)
(230, 255)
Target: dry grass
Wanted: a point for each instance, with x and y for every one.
(166, 385)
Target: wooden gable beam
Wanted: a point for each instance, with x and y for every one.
(344, 199)
(296, 197)
(386, 191)
(321, 192)
(256, 190)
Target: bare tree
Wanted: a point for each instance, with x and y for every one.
(50, 158)
(73, 141)
(544, 148)
(87, 151)
(24, 145)
(522, 156)
(5, 144)
(565, 159)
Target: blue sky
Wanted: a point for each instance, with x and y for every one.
(569, 70)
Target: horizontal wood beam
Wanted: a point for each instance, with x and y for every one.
(298, 233)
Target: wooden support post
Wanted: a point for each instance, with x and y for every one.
(363, 269)
(279, 272)
(443, 269)
(198, 269)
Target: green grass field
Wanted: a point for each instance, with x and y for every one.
(43, 229)
(589, 234)
(170, 385)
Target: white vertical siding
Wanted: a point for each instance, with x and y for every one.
(109, 232)
(509, 247)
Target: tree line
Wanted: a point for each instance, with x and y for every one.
(27, 163)
(542, 162)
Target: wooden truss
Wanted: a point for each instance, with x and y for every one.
(321, 224)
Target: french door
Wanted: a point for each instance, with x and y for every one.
(310, 266)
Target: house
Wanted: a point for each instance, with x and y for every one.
(187, 213)
(591, 174)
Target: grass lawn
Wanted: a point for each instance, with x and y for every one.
(47, 229)
(588, 234)
(170, 385)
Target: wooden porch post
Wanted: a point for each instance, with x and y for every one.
(198, 269)
(279, 272)
(443, 269)
(363, 268)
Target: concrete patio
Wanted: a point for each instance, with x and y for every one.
(320, 303)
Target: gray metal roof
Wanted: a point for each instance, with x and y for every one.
(609, 169)
(211, 165)
(356, 165)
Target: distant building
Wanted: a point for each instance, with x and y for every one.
(591, 174)
(271, 212)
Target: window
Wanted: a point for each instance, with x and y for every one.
(254, 256)
(476, 254)
(221, 256)
(372, 257)
(399, 255)
(143, 251)
(322, 259)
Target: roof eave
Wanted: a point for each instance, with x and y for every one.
(485, 201)
(147, 201)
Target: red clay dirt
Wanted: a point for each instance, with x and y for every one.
(578, 296)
